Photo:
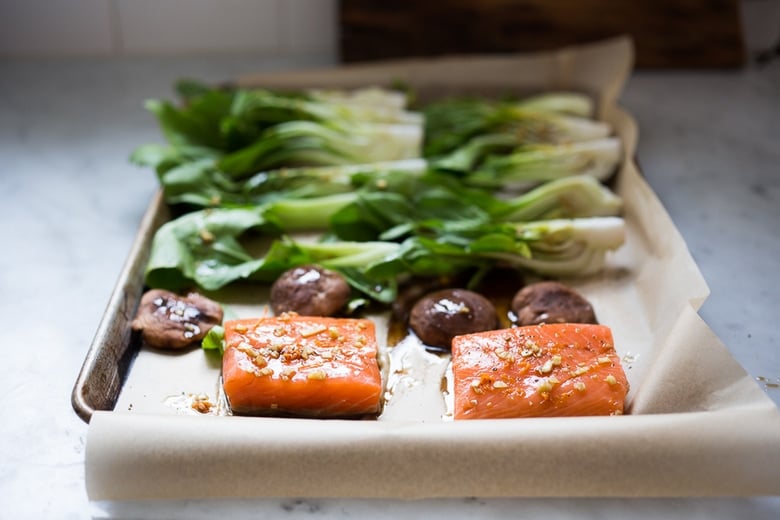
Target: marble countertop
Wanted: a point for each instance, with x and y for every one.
(708, 146)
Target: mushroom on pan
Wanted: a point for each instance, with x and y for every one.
(442, 315)
(310, 290)
(169, 321)
(551, 302)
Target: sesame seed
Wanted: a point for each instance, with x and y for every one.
(604, 360)
(579, 386)
(317, 375)
(610, 379)
(500, 384)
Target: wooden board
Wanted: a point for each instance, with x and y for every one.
(667, 33)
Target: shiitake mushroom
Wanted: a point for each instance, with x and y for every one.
(310, 290)
(440, 316)
(167, 320)
(551, 302)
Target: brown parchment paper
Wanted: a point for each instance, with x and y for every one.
(697, 424)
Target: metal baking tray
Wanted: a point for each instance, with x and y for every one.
(710, 436)
(110, 355)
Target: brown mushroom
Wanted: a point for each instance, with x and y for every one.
(442, 315)
(310, 290)
(551, 302)
(169, 321)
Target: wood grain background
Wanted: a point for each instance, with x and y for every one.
(667, 33)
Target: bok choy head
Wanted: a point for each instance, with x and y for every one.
(246, 131)
(450, 124)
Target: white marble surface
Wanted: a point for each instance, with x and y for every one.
(72, 204)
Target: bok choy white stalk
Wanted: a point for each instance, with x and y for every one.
(571, 103)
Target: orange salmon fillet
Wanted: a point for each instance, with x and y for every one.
(301, 365)
(538, 371)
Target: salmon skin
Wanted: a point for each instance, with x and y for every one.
(301, 366)
(549, 370)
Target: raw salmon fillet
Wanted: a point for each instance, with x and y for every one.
(538, 371)
(301, 366)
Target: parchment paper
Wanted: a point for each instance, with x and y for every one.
(697, 424)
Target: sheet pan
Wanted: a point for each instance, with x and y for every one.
(697, 424)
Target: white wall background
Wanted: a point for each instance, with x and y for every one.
(67, 28)
(284, 28)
